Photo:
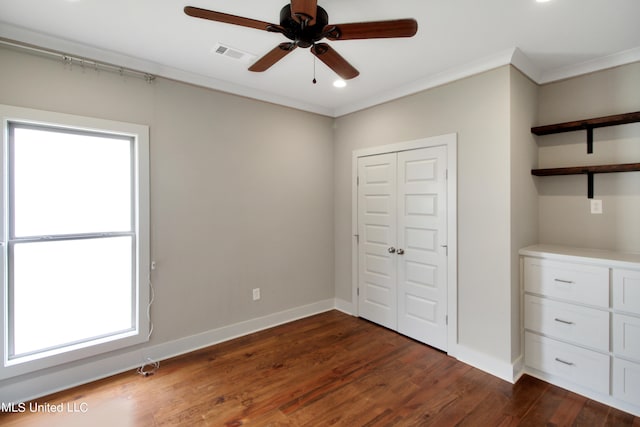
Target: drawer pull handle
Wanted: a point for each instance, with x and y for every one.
(566, 322)
(564, 362)
(564, 281)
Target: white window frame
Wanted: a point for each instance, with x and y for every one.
(140, 134)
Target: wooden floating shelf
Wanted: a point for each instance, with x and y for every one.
(618, 119)
(588, 125)
(590, 171)
(580, 170)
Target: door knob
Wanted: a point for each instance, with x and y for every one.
(400, 251)
(392, 250)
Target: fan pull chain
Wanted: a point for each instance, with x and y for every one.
(314, 71)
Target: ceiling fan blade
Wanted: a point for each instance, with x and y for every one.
(211, 15)
(304, 10)
(274, 55)
(372, 30)
(333, 60)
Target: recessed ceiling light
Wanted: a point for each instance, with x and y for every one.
(542, 1)
(339, 83)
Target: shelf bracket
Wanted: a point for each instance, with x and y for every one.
(589, 140)
(590, 185)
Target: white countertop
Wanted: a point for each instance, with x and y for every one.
(583, 255)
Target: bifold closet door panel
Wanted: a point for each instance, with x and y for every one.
(377, 227)
(422, 236)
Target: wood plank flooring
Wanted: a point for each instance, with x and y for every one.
(328, 369)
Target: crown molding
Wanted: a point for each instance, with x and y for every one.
(513, 56)
(610, 61)
(452, 74)
(62, 46)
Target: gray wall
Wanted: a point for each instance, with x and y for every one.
(241, 190)
(478, 110)
(524, 197)
(565, 216)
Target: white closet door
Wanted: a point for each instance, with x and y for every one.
(422, 236)
(377, 234)
(402, 251)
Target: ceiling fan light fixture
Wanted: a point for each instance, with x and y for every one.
(339, 83)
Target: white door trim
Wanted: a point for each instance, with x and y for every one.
(451, 142)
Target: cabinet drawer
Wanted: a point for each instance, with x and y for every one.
(626, 290)
(626, 336)
(579, 283)
(577, 365)
(626, 381)
(568, 322)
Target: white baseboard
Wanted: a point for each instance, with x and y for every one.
(38, 384)
(498, 368)
(598, 397)
(344, 306)
(510, 372)
(518, 368)
(226, 333)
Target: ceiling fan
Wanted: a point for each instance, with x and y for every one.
(305, 24)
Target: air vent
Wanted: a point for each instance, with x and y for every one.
(232, 53)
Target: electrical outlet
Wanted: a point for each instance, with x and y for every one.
(596, 206)
(256, 294)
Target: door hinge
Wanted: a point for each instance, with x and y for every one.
(358, 291)
(446, 319)
(446, 249)
(446, 174)
(357, 180)
(357, 236)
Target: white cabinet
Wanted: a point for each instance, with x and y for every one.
(575, 283)
(582, 321)
(567, 321)
(626, 291)
(626, 335)
(626, 381)
(572, 323)
(573, 363)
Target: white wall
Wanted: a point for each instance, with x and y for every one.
(241, 193)
(565, 216)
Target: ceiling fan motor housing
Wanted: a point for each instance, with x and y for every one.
(303, 35)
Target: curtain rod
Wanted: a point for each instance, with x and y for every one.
(83, 62)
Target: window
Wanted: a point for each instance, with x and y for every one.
(75, 238)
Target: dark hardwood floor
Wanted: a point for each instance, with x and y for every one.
(328, 369)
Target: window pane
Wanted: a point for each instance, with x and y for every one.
(70, 291)
(68, 183)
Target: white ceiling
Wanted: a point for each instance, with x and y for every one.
(456, 38)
